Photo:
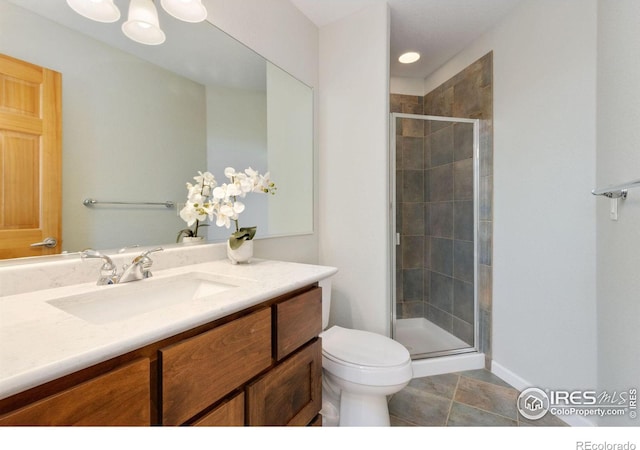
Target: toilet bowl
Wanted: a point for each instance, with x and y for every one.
(360, 369)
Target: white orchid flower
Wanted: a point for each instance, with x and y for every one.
(206, 200)
(238, 207)
(244, 185)
(224, 215)
(189, 214)
(232, 190)
(219, 193)
(229, 172)
(205, 179)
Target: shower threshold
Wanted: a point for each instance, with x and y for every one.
(424, 339)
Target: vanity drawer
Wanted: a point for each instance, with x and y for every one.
(229, 414)
(297, 321)
(199, 371)
(289, 394)
(120, 397)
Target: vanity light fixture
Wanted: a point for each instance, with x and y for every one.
(187, 10)
(99, 10)
(409, 57)
(142, 24)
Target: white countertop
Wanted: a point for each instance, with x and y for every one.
(39, 342)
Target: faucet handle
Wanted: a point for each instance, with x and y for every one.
(159, 249)
(144, 255)
(108, 271)
(145, 262)
(89, 253)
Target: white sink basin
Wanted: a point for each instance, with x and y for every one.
(122, 301)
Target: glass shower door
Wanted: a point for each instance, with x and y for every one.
(433, 220)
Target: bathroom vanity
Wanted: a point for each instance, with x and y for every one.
(247, 355)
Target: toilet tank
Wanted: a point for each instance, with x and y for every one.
(325, 284)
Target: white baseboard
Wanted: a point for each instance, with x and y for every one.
(521, 384)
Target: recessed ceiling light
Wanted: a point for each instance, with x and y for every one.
(409, 57)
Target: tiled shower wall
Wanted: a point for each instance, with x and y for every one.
(434, 204)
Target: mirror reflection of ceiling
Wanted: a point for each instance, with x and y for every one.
(219, 62)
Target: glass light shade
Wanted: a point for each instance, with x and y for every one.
(142, 24)
(98, 10)
(188, 10)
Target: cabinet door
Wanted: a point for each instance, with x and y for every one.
(298, 320)
(291, 393)
(229, 414)
(120, 397)
(199, 371)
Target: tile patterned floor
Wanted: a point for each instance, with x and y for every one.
(471, 398)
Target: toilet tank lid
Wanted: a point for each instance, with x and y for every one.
(363, 348)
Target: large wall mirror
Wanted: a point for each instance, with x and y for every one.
(140, 121)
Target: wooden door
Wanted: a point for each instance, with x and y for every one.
(30, 158)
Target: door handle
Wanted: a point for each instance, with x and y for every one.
(48, 242)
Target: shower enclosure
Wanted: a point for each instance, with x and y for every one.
(434, 211)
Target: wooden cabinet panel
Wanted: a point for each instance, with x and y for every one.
(197, 372)
(229, 414)
(291, 393)
(298, 320)
(120, 397)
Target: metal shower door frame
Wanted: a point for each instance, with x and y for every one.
(476, 216)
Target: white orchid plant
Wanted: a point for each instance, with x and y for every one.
(206, 200)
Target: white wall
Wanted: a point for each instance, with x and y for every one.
(618, 161)
(407, 86)
(354, 232)
(278, 31)
(544, 304)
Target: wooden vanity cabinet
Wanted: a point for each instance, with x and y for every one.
(199, 371)
(296, 321)
(272, 355)
(120, 397)
(228, 414)
(290, 393)
(261, 366)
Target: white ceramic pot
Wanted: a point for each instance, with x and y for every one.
(242, 254)
(192, 239)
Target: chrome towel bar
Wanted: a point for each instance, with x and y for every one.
(618, 191)
(91, 202)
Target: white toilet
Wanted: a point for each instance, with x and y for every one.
(360, 369)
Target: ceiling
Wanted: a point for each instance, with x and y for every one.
(200, 52)
(437, 29)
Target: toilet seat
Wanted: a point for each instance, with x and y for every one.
(365, 358)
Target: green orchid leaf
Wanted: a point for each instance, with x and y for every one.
(243, 234)
(187, 232)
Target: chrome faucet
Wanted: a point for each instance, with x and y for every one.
(140, 267)
(108, 271)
